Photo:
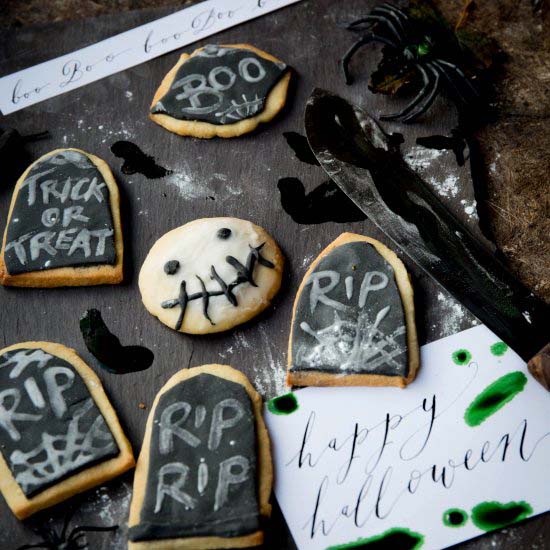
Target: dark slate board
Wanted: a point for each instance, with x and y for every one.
(235, 177)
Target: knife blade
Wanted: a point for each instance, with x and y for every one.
(366, 163)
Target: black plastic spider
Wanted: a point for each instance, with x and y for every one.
(52, 540)
(415, 43)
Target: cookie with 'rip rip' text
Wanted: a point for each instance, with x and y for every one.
(204, 474)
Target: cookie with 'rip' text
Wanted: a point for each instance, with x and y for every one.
(221, 90)
(59, 435)
(211, 275)
(64, 224)
(353, 319)
(204, 474)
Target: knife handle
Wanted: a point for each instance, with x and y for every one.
(539, 366)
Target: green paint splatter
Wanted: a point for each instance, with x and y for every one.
(462, 356)
(284, 404)
(455, 517)
(398, 538)
(494, 397)
(494, 515)
(499, 348)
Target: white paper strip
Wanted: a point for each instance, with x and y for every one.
(68, 72)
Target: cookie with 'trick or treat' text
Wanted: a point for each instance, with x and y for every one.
(211, 275)
(63, 225)
(204, 474)
(353, 319)
(221, 90)
(59, 435)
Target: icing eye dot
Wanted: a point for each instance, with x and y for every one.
(171, 267)
(224, 233)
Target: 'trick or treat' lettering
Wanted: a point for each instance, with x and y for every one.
(61, 217)
(201, 477)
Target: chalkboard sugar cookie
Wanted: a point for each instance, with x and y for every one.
(204, 474)
(211, 275)
(353, 319)
(59, 435)
(64, 224)
(221, 90)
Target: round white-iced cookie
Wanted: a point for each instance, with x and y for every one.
(210, 275)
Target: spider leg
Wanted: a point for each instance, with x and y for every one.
(366, 39)
(460, 73)
(377, 19)
(460, 93)
(429, 99)
(400, 19)
(419, 97)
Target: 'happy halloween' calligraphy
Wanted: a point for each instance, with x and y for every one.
(379, 488)
(61, 217)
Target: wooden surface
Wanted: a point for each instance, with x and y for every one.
(236, 177)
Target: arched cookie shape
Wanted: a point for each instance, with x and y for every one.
(59, 435)
(353, 319)
(221, 90)
(64, 224)
(211, 275)
(204, 475)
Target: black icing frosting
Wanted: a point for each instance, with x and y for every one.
(61, 217)
(50, 426)
(220, 85)
(350, 318)
(202, 474)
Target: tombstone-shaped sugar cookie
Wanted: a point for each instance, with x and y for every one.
(59, 435)
(353, 319)
(221, 90)
(204, 474)
(211, 275)
(63, 226)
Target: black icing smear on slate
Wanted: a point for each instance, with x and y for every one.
(64, 431)
(331, 342)
(326, 203)
(298, 143)
(136, 161)
(62, 217)
(220, 85)
(107, 349)
(188, 408)
(455, 143)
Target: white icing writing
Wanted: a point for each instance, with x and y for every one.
(172, 477)
(61, 218)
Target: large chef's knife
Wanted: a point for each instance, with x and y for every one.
(367, 165)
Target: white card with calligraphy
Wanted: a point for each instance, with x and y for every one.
(117, 53)
(463, 450)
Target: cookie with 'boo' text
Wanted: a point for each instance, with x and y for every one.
(221, 90)
(64, 224)
(210, 275)
(204, 474)
(353, 319)
(59, 435)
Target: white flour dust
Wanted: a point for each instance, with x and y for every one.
(453, 314)
(446, 188)
(190, 187)
(421, 157)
